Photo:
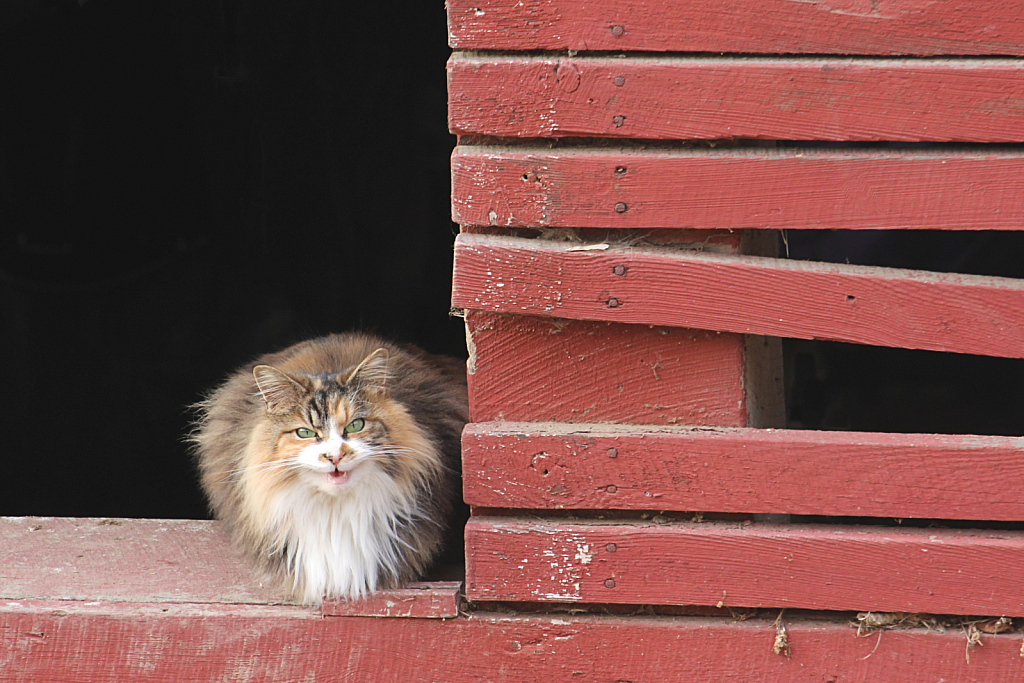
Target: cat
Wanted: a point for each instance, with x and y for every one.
(335, 463)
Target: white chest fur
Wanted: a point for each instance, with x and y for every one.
(344, 545)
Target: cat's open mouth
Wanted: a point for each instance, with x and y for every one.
(337, 477)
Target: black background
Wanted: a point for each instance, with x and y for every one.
(186, 185)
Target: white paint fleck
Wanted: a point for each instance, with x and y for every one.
(583, 553)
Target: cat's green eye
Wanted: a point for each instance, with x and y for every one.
(355, 425)
(304, 433)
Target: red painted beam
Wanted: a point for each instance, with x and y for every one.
(882, 27)
(681, 98)
(537, 369)
(59, 642)
(592, 467)
(824, 567)
(745, 294)
(738, 188)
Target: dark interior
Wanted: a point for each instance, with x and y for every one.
(184, 186)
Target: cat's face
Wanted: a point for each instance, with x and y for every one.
(334, 433)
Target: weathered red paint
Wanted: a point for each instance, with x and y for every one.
(822, 567)
(69, 641)
(593, 467)
(673, 98)
(525, 368)
(882, 27)
(738, 188)
(745, 294)
(170, 561)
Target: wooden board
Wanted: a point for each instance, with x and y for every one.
(66, 642)
(746, 294)
(167, 561)
(916, 27)
(824, 567)
(681, 98)
(535, 369)
(591, 467)
(973, 189)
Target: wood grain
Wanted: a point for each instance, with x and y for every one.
(825, 567)
(682, 98)
(745, 294)
(165, 561)
(882, 27)
(593, 467)
(423, 600)
(68, 642)
(974, 189)
(534, 369)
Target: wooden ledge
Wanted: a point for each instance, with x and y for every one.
(166, 561)
(62, 641)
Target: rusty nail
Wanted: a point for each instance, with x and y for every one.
(611, 547)
(613, 453)
(619, 81)
(609, 583)
(621, 208)
(618, 120)
(611, 488)
(620, 170)
(619, 270)
(613, 302)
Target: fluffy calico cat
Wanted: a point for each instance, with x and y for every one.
(335, 462)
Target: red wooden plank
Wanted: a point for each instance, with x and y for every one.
(168, 561)
(535, 369)
(829, 567)
(737, 188)
(64, 642)
(919, 27)
(510, 465)
(431, 600)
(727, 97)
(747, 294)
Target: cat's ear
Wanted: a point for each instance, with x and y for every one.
(372, 371)
(279, 391)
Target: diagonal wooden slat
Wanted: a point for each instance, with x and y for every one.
(746, 294)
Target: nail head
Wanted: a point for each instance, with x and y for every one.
(618, 30)
(611, 547)
(619, 270)
(618, 120)
(613, 453)
(621, 208)
(613, 303)
(619, 81)
(611, 488)
(609, 583)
